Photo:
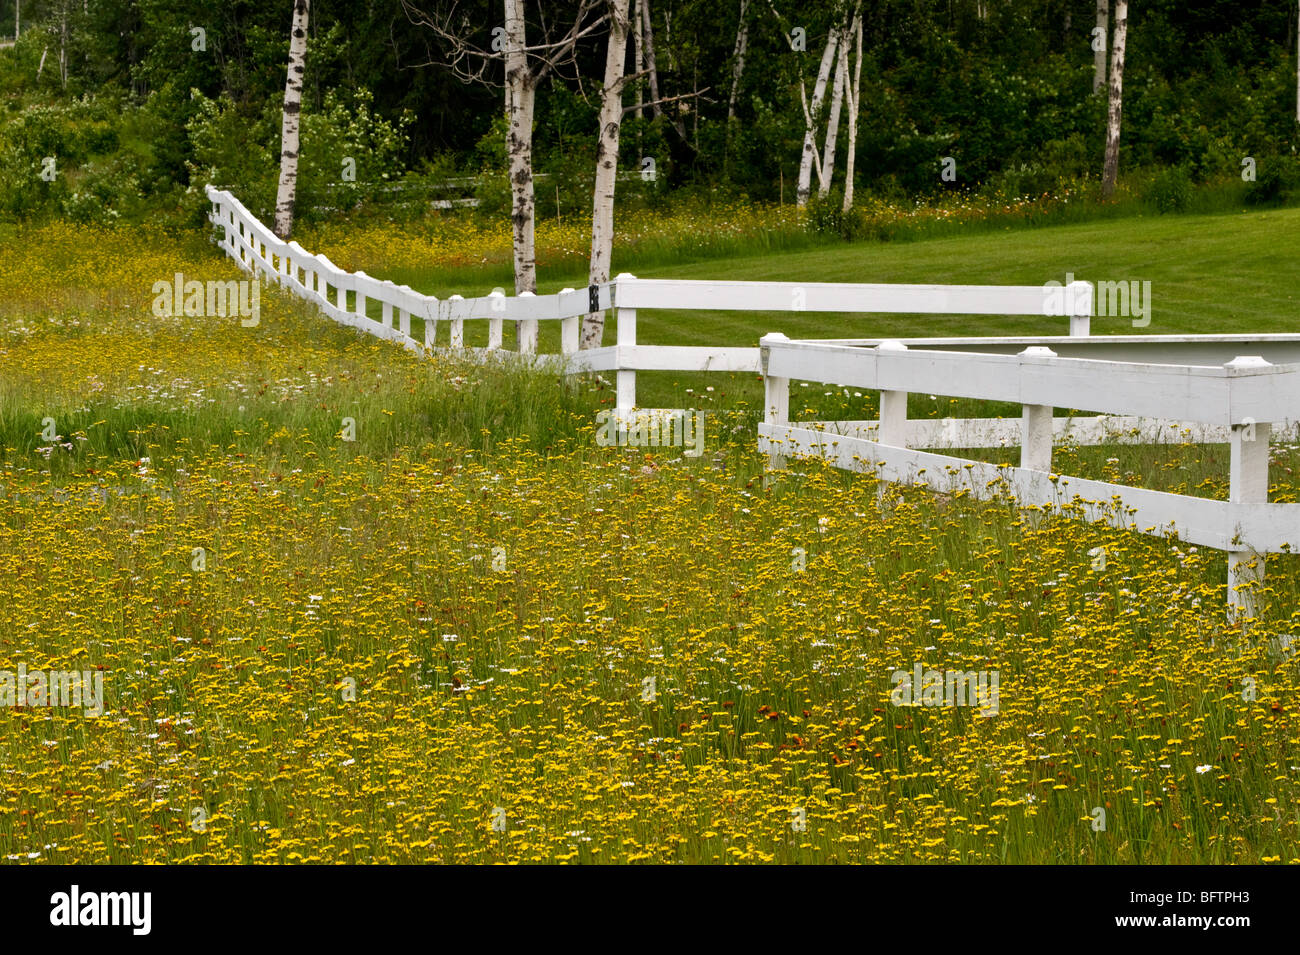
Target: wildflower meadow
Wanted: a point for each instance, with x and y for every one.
(354, 605)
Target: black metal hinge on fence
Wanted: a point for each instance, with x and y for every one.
(593, 298)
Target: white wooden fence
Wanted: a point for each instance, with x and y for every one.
(1238, 402)
(1201, 388)
(346, 297)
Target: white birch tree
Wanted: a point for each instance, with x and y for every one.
(1099, 43)
(521, 94)
(291, 121)
(1110, 173)
(833, 119)
(652, 72)
(638, 53)
(853, 104)
(526, 65)
(738, 60)
(611, 117)
(808, 160)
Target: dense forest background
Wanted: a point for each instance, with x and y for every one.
(143, 101)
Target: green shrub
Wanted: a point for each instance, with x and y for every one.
(1275, 181)
(1170, 190)
(1022, 180)
(347, 138)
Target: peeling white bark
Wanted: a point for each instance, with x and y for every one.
(1111, 171)
(738, 67)
(520, 97)
(638, 53)
(833, 120)
(1099, 56)
(291, 122)
(611, 115)
(854, 102)
(810, 113)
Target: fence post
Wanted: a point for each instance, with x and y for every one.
(893, 407)
(569, 330)
(342, 299)
(498, 297)
(1079, 294)
(457, 324)
(626, 382)
(527, 330)
(1036, 426)
(1247, 484)
(430, 323)
(361, 300)
(776, 398)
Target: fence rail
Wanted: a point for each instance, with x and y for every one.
(345, 297)
(1238, 401)
(1203, 388)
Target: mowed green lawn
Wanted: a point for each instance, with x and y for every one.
(1209, 274)
(1215, 274)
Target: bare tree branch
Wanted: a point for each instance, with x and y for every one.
(669, 99)
(471, 63)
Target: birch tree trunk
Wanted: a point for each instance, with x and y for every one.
(648, 38)
(810, 112)
(647, 33)
(63, 47)
(602, 215)
(1111, 171)
(849, 160)
(291, 121)
(833, 120)
(520, 97)
(1099, 56)
(668, 37)
(638, 53)
(742, 40)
